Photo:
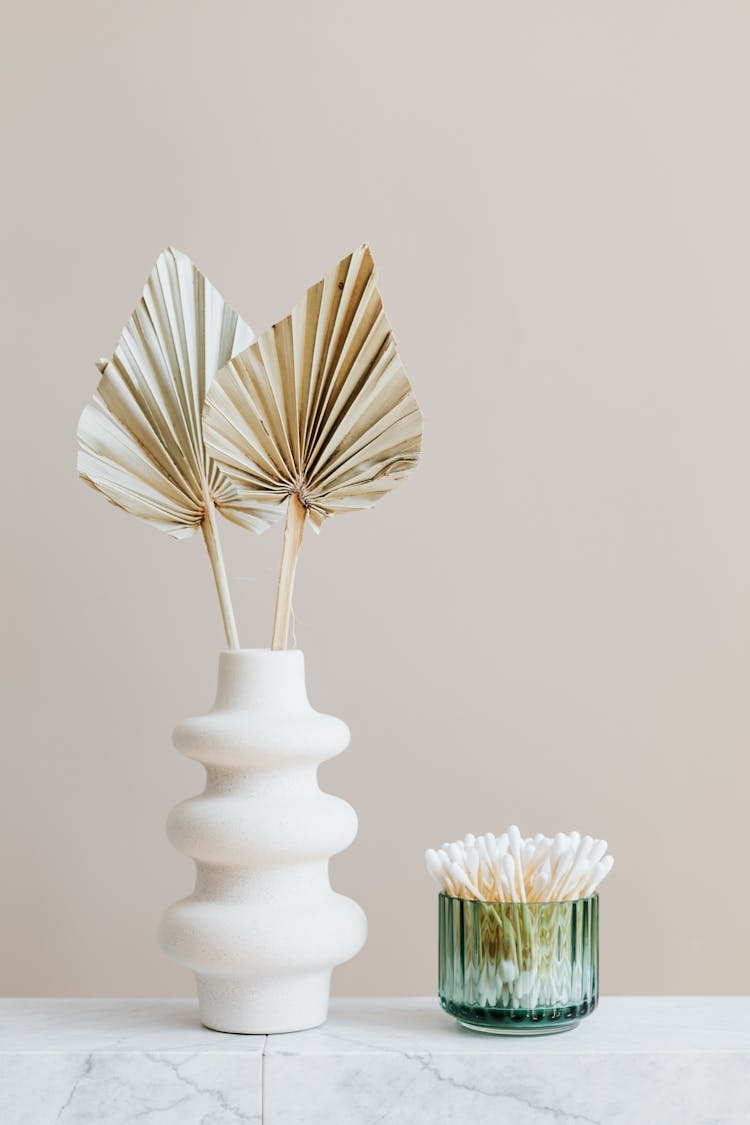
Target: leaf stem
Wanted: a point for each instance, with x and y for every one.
(294, 528)
(213, 546)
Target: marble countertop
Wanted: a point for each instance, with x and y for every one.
(636, 1061)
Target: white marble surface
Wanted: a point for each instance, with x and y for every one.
(636, 1061)
(112, 1062)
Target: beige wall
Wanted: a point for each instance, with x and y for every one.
(549, 623)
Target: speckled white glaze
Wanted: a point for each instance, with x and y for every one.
(263, 928)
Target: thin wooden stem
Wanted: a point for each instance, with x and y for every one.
(293, 531)
(213, 546)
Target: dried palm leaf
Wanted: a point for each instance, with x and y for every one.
(140, 439)
(318, 413)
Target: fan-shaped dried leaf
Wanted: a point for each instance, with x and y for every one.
(140, 438)
(319, 406)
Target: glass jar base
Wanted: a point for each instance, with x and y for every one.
(520, 1032)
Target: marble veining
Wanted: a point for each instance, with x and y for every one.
(112, 1062)
(637, 1061)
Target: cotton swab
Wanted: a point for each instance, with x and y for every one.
(511, 868)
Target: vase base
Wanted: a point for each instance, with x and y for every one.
(263, 1005)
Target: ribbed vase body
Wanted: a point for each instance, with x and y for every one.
(517, 968)
(263, 929)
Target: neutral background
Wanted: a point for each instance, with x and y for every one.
(548, 623)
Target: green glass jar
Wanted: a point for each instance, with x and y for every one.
(518, 969)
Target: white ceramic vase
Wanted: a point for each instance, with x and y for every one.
(263, 929)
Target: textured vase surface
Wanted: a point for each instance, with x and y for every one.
(263, 929)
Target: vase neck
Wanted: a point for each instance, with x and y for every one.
(260, 677)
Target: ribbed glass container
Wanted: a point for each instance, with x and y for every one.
(518, 969)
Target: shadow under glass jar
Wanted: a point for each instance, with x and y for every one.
(513, 968)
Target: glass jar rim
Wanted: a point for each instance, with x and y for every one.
(528, 905)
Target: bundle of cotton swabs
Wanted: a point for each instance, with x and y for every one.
(514, 868)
